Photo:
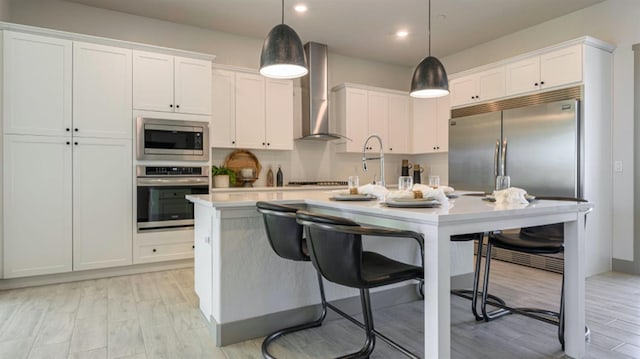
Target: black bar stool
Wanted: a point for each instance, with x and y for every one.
(285, 237)
(546, 239)
(335, 248)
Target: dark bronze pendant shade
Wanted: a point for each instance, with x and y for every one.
(282, 54)
(429, 78)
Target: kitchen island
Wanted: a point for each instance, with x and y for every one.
(238, 277)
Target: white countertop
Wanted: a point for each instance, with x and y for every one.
(273, 189)
(461, 209)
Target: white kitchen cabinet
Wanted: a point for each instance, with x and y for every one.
(203, 253)
(351, 109)
(223, 113)
(171, 84)
(430, 125)
(399, 125)
(362, 111)
(482, 86)
(102, 203)
(37, 84)
(250, 111)
(548, 70)
(279, 114)
(102, 88)
(37, 205)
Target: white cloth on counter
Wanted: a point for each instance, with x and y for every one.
(511, 195)
(400, 195)
(373, 189)
(435, 193)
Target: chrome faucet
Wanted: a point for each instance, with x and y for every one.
(380, 157)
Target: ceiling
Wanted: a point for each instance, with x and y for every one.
(361, 28)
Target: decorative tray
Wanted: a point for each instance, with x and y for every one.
(240, 159)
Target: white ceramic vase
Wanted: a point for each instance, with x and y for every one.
(221, 181)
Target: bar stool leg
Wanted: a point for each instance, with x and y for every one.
(485, 290)
(370, 341)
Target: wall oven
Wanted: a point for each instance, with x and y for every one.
(161, 192)
(172, 140)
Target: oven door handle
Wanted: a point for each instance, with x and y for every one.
(191, 181)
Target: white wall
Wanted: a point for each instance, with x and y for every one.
(615, 21)
(5, 10)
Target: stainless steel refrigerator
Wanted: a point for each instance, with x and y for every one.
(537, 146)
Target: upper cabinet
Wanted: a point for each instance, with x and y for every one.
(541, 70)
(37, 84)
(251, 111)
(482, 86)
(430, 124)
(545, 71)
(171, 84)
(361, 112)
(101, 104)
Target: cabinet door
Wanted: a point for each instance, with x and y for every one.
(152, 81)
(192, 86)
(279, 114)
(356, 118)
(443, 115)
(101, 91)
(523, 76)
(37, 205)
(561, 67)
(424, 117)
(398, 126)
(203, 258)
(250, 111)
(491, 84)
(223, 114)
(378, 110)
(37, 85)
(102, 203)
(463, 90)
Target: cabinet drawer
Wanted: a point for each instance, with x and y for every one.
(164, 252)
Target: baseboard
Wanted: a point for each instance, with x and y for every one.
(624, 266)
(93, 274)
(239, 331)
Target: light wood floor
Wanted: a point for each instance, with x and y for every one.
(155, 315)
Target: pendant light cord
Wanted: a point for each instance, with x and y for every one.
(429, 15)
(283, 11)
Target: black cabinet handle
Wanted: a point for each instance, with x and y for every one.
(536, 84)
(68, 142)
(541, 82)
(390, 148)
(233, 142)
(68, 129)
(177, 106)
(171, 105)
(193, 247)
(75, 143)
(75, 129)
(154, 250)
(268, 143)
(263, 143)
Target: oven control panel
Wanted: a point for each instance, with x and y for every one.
(161, 171)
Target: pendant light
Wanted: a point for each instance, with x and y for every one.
(282, 55)
(429, 77)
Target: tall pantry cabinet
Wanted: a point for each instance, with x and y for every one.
(67, 155)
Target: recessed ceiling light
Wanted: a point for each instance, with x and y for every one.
(300, 8)
(402, 33)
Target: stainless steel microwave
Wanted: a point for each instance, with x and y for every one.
(172, 140)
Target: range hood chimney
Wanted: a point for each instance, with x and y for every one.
(315, 95)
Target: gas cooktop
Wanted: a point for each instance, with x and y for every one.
(317, 183)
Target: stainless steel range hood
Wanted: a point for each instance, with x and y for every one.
(315, 95)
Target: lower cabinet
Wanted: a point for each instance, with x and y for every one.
(37, 206)
(102, 203)
(67, 204)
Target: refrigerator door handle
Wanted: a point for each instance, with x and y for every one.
(496, 154)
(504, 157)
